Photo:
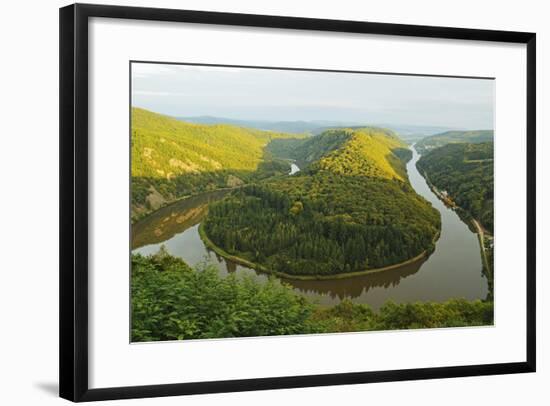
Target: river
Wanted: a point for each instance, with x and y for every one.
(453, 270)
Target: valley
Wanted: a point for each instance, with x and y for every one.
(362, 181)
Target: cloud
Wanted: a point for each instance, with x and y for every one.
(270, 94)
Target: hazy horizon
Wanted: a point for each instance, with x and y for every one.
(250, 94)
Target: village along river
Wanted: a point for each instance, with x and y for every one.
(453, 270)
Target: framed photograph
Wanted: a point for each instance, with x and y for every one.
(257, 202)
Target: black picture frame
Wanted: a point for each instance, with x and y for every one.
(73, 254)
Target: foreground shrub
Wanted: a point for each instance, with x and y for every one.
(171, 301)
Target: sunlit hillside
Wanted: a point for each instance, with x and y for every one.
(164, 147)
(365, 152)
(172, 159)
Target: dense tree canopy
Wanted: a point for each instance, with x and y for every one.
(366, 151)
(465, 171)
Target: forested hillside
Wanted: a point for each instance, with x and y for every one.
(369, 152)
(375, 149)
(171, 158)
(452, 137)
(465, 171)
(351, 209)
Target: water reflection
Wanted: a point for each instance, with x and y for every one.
(174, 219)
(353, 288)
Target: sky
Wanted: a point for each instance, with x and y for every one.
(285, 95)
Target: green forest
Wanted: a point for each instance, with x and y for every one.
(172, 159)
(171, 301)
(465, 171)
(350, 209)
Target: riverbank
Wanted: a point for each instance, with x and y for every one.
(481, 236)
(258, 267)
(137, 218)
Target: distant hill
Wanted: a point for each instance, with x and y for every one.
(453, 137)
(406, 132)
(411, 133)
(171, 158)
(316, 127)
(298, 127)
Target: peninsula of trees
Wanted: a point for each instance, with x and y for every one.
(350, 209)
